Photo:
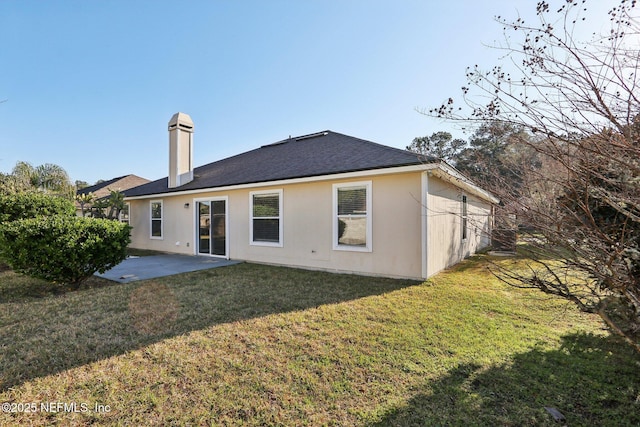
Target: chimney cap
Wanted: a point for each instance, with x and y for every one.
(181, 120)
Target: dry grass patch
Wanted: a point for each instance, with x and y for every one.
(259, 345)
(153, 308)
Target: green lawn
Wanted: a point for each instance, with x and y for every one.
(260, 345)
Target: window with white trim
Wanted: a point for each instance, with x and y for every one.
(266, 218)
(156, 219)
(124, 213)
(352, 216)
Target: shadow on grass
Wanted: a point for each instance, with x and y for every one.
(590, 380)
(42, 333)
(22, 288)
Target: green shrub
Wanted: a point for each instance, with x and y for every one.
(31, 204)
(63, 249)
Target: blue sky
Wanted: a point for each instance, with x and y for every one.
(91, 85)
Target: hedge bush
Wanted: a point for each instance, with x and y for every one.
(32, 204)
(64, 250)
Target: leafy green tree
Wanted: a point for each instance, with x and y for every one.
(47, 177)
(84, 200)
(25, 175)
(10, 185)
(81, 184)
(579, 98)
(440, 145)
(497, 155)
(108, 207)
(52, 177)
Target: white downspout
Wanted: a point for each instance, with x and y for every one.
(425, 223)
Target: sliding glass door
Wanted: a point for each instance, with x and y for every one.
(212, 227)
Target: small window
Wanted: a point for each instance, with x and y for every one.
(352, 216)
(464, 217)
(156, 219)
(124, 214)
(266, 218)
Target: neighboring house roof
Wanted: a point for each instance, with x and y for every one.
(120, 183)
(322, 153)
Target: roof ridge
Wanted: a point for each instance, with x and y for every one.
(377, 143)
(297, 138)
(312, 135)
(331, 153)
(423, 157)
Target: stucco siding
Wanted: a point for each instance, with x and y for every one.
(178, 225)
(308, 226)
(445, 242)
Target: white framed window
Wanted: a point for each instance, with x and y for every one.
(156, 219)
(464, 217)
(352, 216)
(265, 211)
(124, 215)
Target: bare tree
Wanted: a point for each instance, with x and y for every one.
(578, 102)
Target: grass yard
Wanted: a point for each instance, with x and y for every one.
(260, 345)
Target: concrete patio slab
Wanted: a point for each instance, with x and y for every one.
(154, 266)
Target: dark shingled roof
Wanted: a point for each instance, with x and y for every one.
(322, 153)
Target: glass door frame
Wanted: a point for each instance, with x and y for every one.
(196, 223)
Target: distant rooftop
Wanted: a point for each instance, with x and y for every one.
(121, 183)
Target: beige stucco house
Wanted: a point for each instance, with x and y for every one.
(323, 201)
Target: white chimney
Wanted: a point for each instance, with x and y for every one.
(180, 150)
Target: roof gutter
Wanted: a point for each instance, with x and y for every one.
(448, 173)
(439, 169)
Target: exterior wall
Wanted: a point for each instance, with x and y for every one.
(445, 245)
(178, 225)
(307, 223)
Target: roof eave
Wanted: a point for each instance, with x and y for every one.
(439, 169)
(297, 180)
(450, 174)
